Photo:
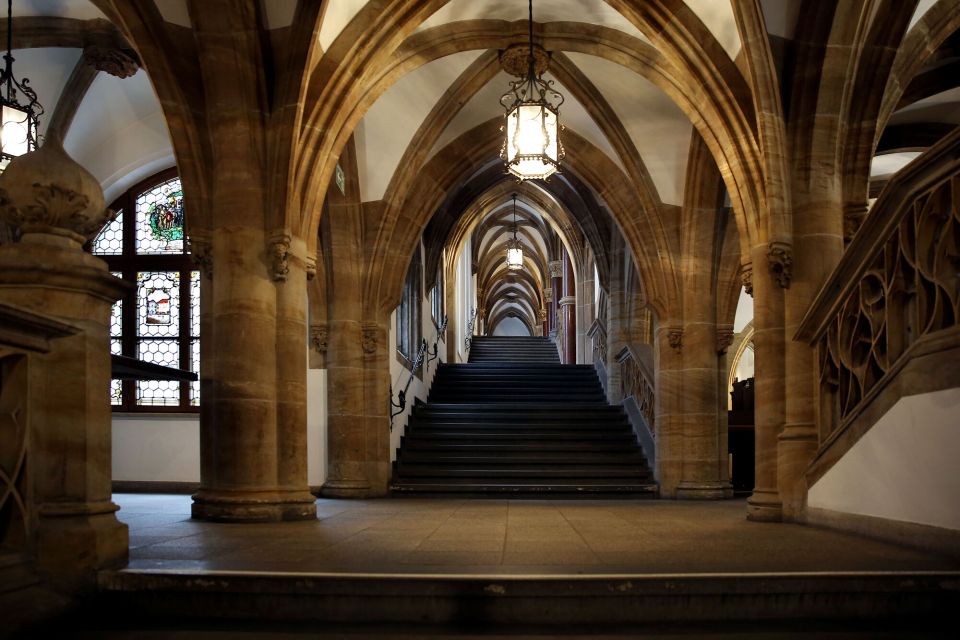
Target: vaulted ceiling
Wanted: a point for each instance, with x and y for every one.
(116, 126)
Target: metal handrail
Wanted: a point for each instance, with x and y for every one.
(434, 353)
(469, 339)
(422, 354)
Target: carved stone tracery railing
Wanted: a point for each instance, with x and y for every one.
(598, 336)
(636, 381)
(897, 285)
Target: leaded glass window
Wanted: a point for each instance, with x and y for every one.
(409, 330)
(159, 321)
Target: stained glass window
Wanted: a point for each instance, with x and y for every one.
(116, 345)
(110, 240)
(160, 219)
(159, 321)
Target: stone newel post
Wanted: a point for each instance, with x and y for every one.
(57, 206)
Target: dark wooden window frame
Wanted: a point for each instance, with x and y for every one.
(129, 263)
(409, 324)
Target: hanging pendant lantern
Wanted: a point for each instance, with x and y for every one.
(514, 246)
(19, 123)
(531, 147)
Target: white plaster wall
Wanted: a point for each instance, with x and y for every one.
(156, 448)
(316, 426)
(511, 327)
(167, 448)
(904, 468)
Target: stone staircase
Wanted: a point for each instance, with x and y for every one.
(515, 421)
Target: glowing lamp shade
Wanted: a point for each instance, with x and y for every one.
(514, 257)
(531, 149)
(16, 132)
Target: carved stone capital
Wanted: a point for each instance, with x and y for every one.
(319, 337)
(746, 277)
(853, 217)
(548, 294)
(121, 63)
(675, 338)
(556, 268)
(201, 252)
(278, 251)
(567, 300)
(310, 264)
(56, 210)
(368, 339)
(780, 257)
(724, 339)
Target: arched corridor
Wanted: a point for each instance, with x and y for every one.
(259, 239)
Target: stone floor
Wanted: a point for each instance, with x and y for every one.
(503, 537)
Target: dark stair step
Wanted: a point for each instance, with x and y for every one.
(521, 471)
(523, 457)
(527, 488)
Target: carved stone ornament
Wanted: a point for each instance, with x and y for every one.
(515, 58)
(311, 267)
(368, 339)
(201, 252)
(853, 217)
(724, 340)
(556, 269)
(548, 294)
(121, 63)
(675, 338)
(780, 256)
(47, 192)
(319, 337)
(279, 255)
(746, 277)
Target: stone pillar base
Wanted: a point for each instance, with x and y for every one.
(347, 489)
(253, 506)
(704, 490)
(764, 506)
(76, 539)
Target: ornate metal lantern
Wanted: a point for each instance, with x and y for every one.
(531, 146)
(18, 123)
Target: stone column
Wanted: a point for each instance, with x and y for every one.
(358, 431)
(547, 312)
(253, 445)
(669, 421)
(292, 372)
(768, 340)
(817, 247)
(58, 206)
(358, 369)
(704, 451)
(556, 285)
(568, 306)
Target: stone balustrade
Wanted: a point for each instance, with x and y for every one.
(885, 323)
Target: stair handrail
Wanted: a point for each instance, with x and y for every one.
(401, 402)
(891, 284)
(434, 353)
(424, 356)
(637, 381)
(467, 341)
(598, 337)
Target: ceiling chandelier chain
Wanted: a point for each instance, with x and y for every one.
(19, 124)
(531, 147)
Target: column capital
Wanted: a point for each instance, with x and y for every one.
(780, 257)
(567, 300)
(746, 277)
(556, 268)
(278, 252)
